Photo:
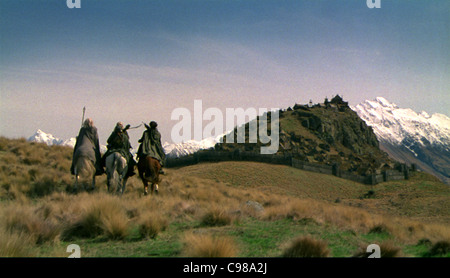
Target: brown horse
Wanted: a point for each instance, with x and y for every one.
(149, 168)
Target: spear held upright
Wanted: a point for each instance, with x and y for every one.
(82, 119)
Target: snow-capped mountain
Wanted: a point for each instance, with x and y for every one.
(394, 124)
(409, 136)
(190, 147)
(41, 137)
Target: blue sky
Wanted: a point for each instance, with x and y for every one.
(137, 60)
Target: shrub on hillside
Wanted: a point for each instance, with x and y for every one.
(216, 217)
(380, 229)
(201, 245)
(45, 186)
(115, 225)
(150, 225)
(387, 250)
(101, 215)
(25, 221)
(15, 244)
(306, 246)
(440, 248)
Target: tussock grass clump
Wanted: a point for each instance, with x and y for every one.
(26, 221)
(115, 225)
(387, 250)
(15, 244)
(44, 186)
(306, 246)
(440, 248)
(295, 210)
(380, 228)
(390, 250)
(101, 214)
(202, 245)
(87, 225)
(216, 216)
(184, 208)
(150, 225)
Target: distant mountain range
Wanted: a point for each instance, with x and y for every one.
(410, 137)
(407, 136)
(171, 150)
(190, 147)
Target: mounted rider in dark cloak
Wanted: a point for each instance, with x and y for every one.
(119, 141)
(151, 144)
(87, 144)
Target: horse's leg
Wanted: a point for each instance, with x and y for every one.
(108, 180)
(124, 183)
(119, 184)
(155, 188)
(93, 183)
(110, 163)
(75, 188)
(124, 179)
(145, 182)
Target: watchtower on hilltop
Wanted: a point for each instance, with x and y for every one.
(339, 103)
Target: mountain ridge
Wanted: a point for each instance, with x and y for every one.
(172, 150)
(409, 136)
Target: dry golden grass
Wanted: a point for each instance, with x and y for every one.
(15, 244)
(35, 203)
(203, 245)
(216, 216)
(388, 249)
(101, 214)
(23, 220)
(307, 247)
(151, 224)
(355, 219)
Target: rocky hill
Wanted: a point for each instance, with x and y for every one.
(326, 133)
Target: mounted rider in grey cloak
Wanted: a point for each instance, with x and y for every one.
(87, 144)
(151, 144)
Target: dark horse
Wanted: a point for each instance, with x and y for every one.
(149, 168)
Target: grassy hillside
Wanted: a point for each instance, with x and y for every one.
(241, 209)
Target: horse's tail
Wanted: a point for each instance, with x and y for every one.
(84, 167)
(152, 170)
(149, 174)
(115, 164)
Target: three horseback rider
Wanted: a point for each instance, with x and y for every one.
(119, 141)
